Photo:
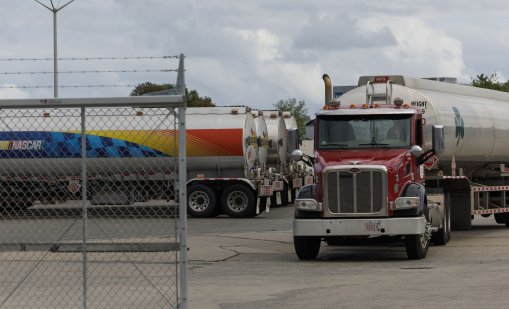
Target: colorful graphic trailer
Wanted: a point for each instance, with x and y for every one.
(222, 150)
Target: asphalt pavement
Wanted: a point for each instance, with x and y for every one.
(250, 263)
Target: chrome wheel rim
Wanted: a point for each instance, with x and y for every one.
(198, 201)
(237, 201)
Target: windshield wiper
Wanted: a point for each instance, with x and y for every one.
(336, 144)
(374, 144)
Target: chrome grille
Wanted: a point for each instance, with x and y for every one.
(362, 192)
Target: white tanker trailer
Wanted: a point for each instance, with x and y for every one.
(404, 157)
(226, 175)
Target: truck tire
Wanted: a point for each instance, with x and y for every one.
(443, 235)
(460, 212)
(238, 201)
(416, 246)
(306, 247)
(502, 218)
(201, 201)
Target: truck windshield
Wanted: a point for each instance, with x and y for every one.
(364, 131)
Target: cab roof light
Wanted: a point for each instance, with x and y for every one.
(352, 106)
(365, 106)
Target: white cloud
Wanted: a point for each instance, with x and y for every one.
(253, 52)
(420, 50)
(9, 91)
(332, 33)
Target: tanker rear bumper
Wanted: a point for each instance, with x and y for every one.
(359, 227)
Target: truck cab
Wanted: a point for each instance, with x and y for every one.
(369, 178)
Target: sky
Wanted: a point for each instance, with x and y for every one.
(251, 53)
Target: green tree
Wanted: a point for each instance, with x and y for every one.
(490, 82)
(193, 97)
(299, 110)
(194, 100)
(148, 87)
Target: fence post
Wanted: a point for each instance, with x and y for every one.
(182, 170)
(84, 203)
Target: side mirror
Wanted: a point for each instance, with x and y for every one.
(416, 151)
(297, 155)
(438, 137)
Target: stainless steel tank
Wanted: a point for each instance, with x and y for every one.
(263, 138)
(292, 131)
(278, 146)
(475, 120)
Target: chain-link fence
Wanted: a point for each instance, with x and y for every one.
(92, 222)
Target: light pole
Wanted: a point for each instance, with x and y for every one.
(55, 60)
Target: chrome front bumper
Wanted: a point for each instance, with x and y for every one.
(359, 227)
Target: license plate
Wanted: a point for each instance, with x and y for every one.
(265, 190)
(277, 186)
(297, 182)
(308, 180)
(372, 226)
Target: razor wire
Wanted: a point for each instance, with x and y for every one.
(11, 85)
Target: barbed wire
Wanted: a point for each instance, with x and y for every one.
(65, 86)
(87, 71)
(89, 58)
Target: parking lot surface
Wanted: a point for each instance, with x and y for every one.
(250, 263)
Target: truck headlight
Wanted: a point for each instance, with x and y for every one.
(307, 204)
(406, 203)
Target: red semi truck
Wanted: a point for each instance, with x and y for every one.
(406, 158)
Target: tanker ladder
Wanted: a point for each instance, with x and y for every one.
(488, 200)
(372, 95)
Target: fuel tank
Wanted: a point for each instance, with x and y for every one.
(278, 150)
(221, 141)
(292, 131)
(262, 137)
(475, 120)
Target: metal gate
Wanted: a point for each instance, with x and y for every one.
(95, 222)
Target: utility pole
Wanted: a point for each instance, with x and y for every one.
(54, 9)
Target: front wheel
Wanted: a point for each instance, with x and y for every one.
(416, 246)
(238, 201)
(307, 247)
(443, 235)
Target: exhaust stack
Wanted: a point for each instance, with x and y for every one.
(328, 88)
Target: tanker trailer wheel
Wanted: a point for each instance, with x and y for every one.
(443, 235)
(502, 218)
(238, 201)
(306, 247)
(201, 201)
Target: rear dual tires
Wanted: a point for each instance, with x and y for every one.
(461, 217)
(307, 247)
(201, 201)
(238, 201)
(502, 218)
